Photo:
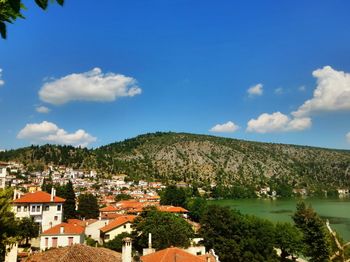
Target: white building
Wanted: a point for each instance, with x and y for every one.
(46, 209)
(93, 230)
(3, 173)
(62, 235)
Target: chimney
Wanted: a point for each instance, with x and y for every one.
(126, 250)
(149, 240)
(14, 194)
(53, 193)
(61, 229)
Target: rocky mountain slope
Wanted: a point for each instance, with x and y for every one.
(200, 159)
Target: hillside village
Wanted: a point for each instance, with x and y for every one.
(115, 217)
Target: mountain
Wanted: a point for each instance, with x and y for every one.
(200, 159)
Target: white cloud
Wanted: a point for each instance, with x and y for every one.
(50, 133)
(228, 127)
(279, 91)
(277, 122)
(256, 90)
(348, 137)
(2, 82)
(332, 93)
(42, 109)
(302, 88)
(89, 86)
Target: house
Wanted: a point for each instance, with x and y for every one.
(105, 211)
(117, 226)
(92, 230)
(45, 208)
(3, 173)
(76, 253)
(62, 235)
(179, 255)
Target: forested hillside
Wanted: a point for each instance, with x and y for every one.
(200, 159)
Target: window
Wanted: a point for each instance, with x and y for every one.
(25, 208)
(37, 208)
(58, 207)
(70, 241)
(55, 218)
(18, 208)
(106, 237)
(47, 208)
(124, 226)
(199, 253)
(54, 242)
(46, 241)
(33, 208)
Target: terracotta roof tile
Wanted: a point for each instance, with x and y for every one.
(109, 209)
(172, 209)
(69, 229)
(38, 197)
(117, 223)
(76, 253)
(173, 254)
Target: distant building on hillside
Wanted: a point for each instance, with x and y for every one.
(3, 173)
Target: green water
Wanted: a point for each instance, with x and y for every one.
(337, 211)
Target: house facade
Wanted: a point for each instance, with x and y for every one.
(3, 173)
(46, 209)
(62, 235)
(117, 226)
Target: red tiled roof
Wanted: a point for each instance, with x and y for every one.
(38, 197)
(82, 223)
(69, 229)
(173, 254)
(117, 223)
(108, 209)
(172, 209)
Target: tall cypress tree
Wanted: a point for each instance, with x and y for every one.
(69, 205)
(88, 206)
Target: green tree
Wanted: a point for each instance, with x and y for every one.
(10, 10)
(117, 242)
(8, 224)
(174, 196)
(122, 197)
(196, 207)
(237, 237)
(88, 207)
(315, 235)
(28, 229)
(289, 240)
(167, 230)
(69, 205)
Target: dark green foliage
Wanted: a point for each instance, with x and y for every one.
(69, 205)
(117, 243)
(88, 207)
(315, 235)
(237, 237)
(122, 197)
(10, 10)
(174, 196)
(167, 230)
(197, 207)
(289, 239)
(28, 229)
(8, 224)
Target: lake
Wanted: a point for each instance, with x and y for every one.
(337, 211)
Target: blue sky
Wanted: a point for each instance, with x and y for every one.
(110, 70)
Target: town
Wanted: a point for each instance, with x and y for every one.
(114, 217)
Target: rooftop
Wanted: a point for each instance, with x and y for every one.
(76, 253)
(174, 254)
(68, 229)
(38, 197)
(117, 223)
